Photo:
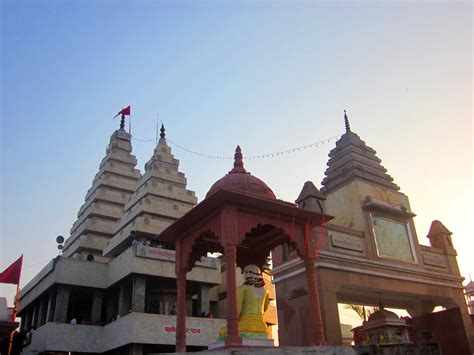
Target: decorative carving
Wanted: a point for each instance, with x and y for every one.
(343, 241)
(434, 260)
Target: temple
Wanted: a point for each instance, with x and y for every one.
(146, 269)
(113, 289)
(370, 253)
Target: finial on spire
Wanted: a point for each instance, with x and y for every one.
(162, 131)
(122, 122)
(238, 158)
(346, 122)
(238, 161)
(124, 112)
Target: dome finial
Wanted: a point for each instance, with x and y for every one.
(238, 158)
(162, 131)
(346, 122)
(238, 161)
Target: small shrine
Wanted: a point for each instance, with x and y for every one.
(382, 327)
(242, 219)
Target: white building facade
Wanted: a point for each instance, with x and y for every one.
(113, 289)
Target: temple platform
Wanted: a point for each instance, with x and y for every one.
(282, 350)
(248, 343)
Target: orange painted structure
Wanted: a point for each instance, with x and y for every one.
(242, 219)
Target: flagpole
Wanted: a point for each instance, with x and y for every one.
(15, 308)
(130, 124)
(17, 297)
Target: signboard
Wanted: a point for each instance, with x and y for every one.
(344, 241)
(170, 255)
(434, 260)
(393, 239)
(171, 329)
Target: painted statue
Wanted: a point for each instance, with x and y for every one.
(252, 302)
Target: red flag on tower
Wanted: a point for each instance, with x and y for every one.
(125, 111)
(11, 275)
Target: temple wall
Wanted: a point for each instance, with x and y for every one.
(345, 203)
(359, 284)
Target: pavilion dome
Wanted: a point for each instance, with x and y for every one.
(382, 314)
(239, 179)
(470, 286)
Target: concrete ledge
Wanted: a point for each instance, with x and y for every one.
(251, 343)
(62, 337)
(287, 350)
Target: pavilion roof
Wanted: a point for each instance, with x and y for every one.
(210, 206)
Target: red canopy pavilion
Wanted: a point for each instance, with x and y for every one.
(241, 218)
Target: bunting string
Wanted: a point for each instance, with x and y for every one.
(250, 157)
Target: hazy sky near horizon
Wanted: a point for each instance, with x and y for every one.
(268, 75)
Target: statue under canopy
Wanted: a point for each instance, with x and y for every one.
(252, 302)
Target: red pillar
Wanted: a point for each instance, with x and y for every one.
(230, 258)
(316, 329)
(181, 312)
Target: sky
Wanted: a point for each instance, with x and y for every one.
(268, 75)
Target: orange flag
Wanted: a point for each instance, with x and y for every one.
(11, 275)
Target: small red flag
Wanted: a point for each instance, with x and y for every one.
(12, 274)
(125, 111)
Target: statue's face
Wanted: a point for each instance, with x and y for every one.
(252, 272)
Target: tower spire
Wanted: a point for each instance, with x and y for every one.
(346, 122)
(238, 161)
(238, 158)
(162, 131)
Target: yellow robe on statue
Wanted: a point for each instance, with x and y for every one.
(252, 302)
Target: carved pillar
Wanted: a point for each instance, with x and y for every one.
(230, 258)
(181, 312)
(316, 330)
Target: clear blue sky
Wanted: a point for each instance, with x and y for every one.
(265, 75)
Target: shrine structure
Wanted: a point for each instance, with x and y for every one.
(371, 254)
(241, 218)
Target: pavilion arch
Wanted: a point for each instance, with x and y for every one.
(250, 250)
(203, 243)
(245, 228)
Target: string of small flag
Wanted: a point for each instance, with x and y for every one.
(258, 156)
